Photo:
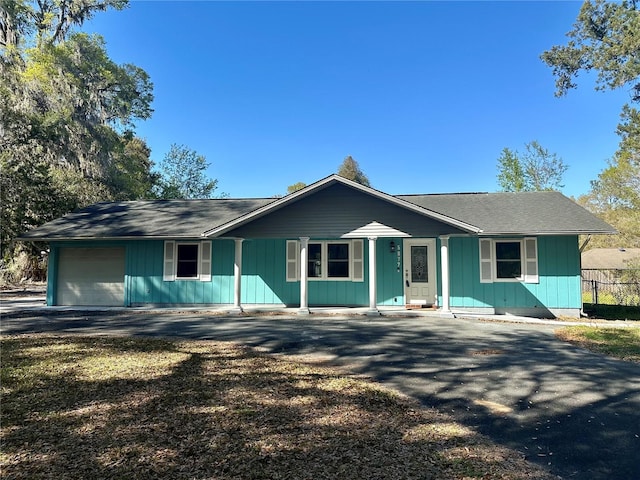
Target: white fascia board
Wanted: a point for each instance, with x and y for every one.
(220, 230)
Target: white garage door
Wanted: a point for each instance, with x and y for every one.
(91, 276)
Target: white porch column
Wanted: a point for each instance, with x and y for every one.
(237, 275)
(373, 300)
(444, 261)
(304, 260)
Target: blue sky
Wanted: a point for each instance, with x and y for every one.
(424, 95)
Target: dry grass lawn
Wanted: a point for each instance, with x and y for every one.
(622, 343)
(78, 407)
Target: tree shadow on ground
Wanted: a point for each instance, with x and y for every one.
(99, 407)
(612, 312)
(573, 412)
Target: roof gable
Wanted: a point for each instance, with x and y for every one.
(338, 183)
(338, 211)
(333, 207)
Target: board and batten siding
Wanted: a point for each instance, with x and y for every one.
(335, 292)
(348, 293)
(263, 276)
(558, 286)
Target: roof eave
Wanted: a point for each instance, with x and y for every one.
(548, 233)
(110, 238)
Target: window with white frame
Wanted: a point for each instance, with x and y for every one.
(187, 256)
(187, 261)
(338, 260)
(327, 260)
(509, 260)
(314, 260)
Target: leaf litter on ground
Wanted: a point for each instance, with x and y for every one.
(79, 407)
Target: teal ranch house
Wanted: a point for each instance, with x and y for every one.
(333, 243)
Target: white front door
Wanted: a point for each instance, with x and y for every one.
(419, 264)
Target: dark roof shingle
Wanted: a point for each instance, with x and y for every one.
(146, 218)
(530, 213)
(515, 213)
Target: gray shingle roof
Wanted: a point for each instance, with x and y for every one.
(532, 213)
(537, 213)
(153, 218)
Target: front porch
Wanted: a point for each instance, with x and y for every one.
(425, 283)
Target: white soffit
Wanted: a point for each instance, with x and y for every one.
(375, 229)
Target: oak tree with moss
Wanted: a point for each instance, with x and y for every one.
(67, 116)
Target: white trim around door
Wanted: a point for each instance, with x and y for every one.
(419, 271)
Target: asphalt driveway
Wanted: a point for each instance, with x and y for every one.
(575, 412)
